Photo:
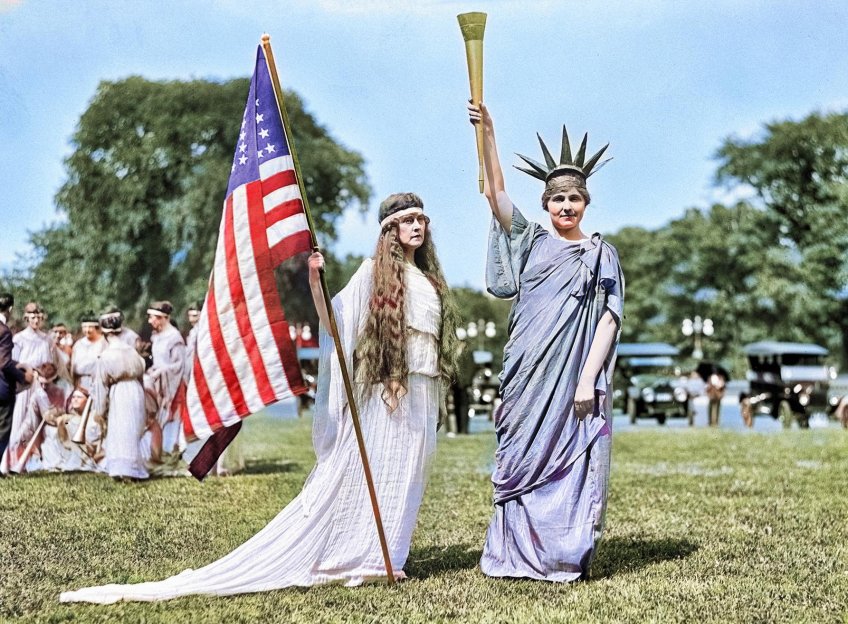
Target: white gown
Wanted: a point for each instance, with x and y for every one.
(128, 337)
(327, 533)
(164, 377)
(118, 372)
(45, 402)
(32, 348)
(84, 356)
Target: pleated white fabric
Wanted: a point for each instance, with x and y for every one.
(118, 393)
(327, 533)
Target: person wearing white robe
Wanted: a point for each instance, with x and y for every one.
(58, 451)
(34, 348)
(118, 392)
(86, 350)
(327, 533)
(129, 337)
(46, 399)
(125, 334)
(193, 316)
(166, 373)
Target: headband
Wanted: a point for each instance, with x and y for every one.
(400, 214)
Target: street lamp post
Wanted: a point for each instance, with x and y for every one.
(697, 327)
(481, 329)
(475, 333)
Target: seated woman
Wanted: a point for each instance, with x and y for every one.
(396, 325)
(58, 450)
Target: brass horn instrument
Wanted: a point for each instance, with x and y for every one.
(24, 458)
(79, 434)
(473, 25)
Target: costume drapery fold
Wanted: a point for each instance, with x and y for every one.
(551, 328)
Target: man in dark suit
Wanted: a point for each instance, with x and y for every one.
(10, 373)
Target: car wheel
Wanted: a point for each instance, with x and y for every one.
(632, 410)
(785, 414)
(661, 419)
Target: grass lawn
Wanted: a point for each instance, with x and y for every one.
(702, 526)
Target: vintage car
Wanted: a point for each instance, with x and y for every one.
(652, 376)
(789, 382)
(483, 392)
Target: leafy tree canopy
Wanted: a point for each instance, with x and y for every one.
(145, 187)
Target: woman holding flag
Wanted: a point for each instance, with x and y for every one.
(396, 324)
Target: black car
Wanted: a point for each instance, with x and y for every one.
(789, 382)
(653, 380)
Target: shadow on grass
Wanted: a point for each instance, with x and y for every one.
(435, 560)
(621, 554)
(615, 555)
(268, 466)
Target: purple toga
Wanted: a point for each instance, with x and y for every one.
(552, 469)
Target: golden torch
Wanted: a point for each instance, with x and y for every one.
(473, 25)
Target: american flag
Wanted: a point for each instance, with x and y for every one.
(245, 359)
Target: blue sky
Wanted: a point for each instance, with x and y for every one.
(663, 81)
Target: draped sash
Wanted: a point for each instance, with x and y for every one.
(561, 289)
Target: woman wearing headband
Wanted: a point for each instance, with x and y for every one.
(396, 323)
(34, 348)
(119, 395)
(554, 424)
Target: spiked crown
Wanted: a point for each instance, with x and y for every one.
(578, 164)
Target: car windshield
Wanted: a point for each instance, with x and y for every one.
(772, 363)
(794, 359)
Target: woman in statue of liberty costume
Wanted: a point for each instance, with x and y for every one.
(554, 425)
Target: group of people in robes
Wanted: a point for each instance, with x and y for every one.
(107, 402)
(396, 324)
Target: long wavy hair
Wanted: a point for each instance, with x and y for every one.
(381, 349)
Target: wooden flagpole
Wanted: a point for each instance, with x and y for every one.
(354, 412)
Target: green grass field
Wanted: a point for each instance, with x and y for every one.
(702, 526)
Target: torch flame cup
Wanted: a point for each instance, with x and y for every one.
(473, 25)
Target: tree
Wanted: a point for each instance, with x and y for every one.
(146, 183)
(473, 306)
(799, 174)
(722, 263)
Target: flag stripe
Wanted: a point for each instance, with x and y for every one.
(279, 327)
(231, 342)
(234, 277)
(250, 234)
(286, 248)
(279, 180)
(201, 388)
(222, 389)
(220, 398)
(283, 211)
(222, 356)
(285, 228)
(188, 429)
(275, 165)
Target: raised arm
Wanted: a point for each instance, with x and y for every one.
(493, 185)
